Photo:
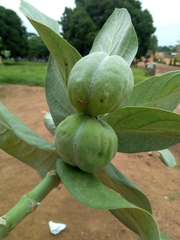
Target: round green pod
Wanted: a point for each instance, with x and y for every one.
(99, 83)
(86, 142)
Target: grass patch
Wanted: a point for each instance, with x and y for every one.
(25, 74)
(139, 74)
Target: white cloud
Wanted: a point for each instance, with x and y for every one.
(166, 20)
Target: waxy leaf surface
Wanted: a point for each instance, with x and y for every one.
(167, 158)
(22, 143)
(157, 92)
(114, 179)
(56, 93)
(142, 129)
(49, 123)
(88, 190)
(117, 36)
(65, 54)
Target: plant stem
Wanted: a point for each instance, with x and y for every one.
(28, 203)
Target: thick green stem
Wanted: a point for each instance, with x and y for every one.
(28, 203)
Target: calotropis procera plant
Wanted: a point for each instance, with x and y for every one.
(95, 111)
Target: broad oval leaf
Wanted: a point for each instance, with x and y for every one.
(65, 54)
(117, 36)
(143, 129)
(167, 158)
(56, 93)
(49, 123)
(88, 190)
(158, 92)
(22, 143)
(111, 177)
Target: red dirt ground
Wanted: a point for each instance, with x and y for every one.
(160, 184)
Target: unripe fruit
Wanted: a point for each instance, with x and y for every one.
(99, 83)
(86, 142)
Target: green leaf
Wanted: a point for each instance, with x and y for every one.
(167, 158)
(158, 92)
(114, 179)
(164, 237)
(33, 14)
(88, 190)
(56, 94)
(22, 143)
(142, 129)
(117, 36)
(146, 228)
(65, 55)
(49, 123)
(111, 177)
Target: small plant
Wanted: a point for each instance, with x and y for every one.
(95, 111)
(175, 195)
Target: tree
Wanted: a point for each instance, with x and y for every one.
(12, 33)
(153, 44)
(97, 12)
(37, 48)
(166, 49)
(79, 29)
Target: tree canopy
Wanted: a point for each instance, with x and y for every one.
(153, 43)
(13, 34)
(37, 48)
(81, 24)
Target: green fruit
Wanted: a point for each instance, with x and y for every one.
(86, 142)
(99, 83)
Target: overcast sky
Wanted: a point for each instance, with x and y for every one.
(166, 15)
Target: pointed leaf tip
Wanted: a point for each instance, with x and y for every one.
(167, 158)
(117, 36)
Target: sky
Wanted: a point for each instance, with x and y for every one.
(166, 15)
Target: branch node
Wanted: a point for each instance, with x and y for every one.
(3, 220)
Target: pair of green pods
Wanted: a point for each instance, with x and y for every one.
(98, 84)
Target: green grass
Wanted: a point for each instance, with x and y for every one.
(26, 74)
(34, 73)
(139, 75)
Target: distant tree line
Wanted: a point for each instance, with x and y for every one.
(166, 49)
(79, 27)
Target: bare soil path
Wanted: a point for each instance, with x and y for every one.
(160, 184)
